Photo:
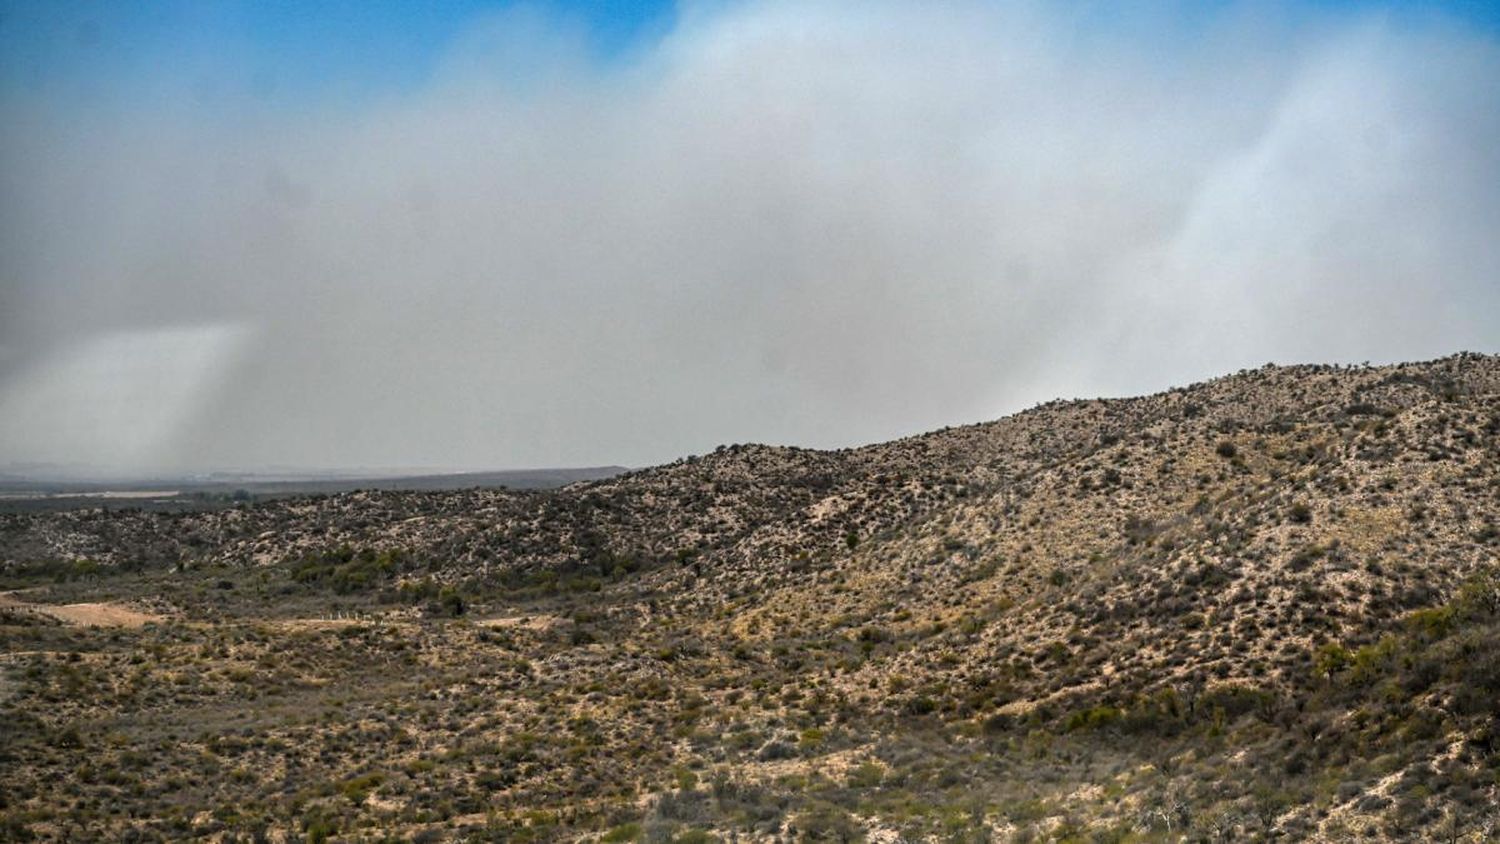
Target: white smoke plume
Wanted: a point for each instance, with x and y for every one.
(809, 223)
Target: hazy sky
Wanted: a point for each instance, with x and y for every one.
(243, 234)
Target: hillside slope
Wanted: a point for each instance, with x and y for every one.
(1265, 606)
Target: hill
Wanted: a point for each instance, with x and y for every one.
(1264, 606)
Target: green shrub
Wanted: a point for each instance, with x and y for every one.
(1236, 699)
(867, 774)
(1434, 622)
(345, 570)
(623, 832)
(1093, 718)
(1331, 659)
(357, 789)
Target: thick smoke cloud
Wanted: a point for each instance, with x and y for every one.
(818, 224)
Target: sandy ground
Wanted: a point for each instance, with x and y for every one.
(83, 615)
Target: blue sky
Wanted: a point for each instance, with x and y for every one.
(349, 48)
(344, 47)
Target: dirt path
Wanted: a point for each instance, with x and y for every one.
(529, 622)
(83, 615)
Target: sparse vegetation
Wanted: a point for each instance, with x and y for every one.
(1088, 622)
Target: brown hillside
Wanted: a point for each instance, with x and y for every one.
(1261, 607)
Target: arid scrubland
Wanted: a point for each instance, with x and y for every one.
(1266, 607)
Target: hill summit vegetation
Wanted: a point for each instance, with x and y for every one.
(1264, 607)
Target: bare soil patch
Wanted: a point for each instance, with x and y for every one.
(102, 614)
